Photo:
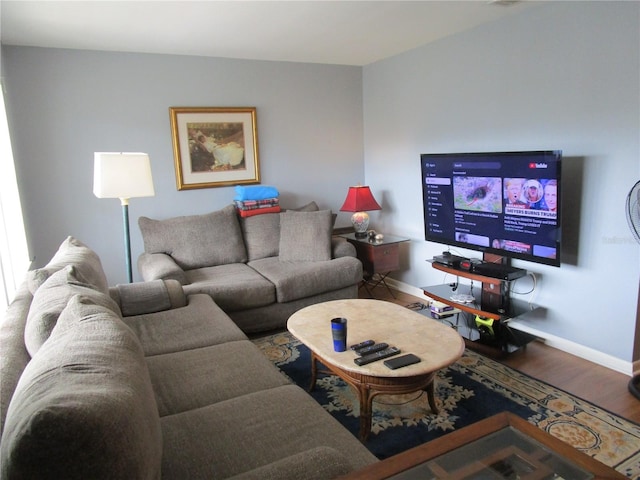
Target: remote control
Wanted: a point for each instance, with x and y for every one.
(372, 349)
(374, 357)
(402, 361)
(358, 346)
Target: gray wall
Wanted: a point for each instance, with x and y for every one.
(563, 76)
(63, 105)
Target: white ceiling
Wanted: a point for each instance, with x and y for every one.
(333, 32)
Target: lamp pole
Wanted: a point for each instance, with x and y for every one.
(127, 237)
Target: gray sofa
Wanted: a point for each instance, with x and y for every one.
(141, 381)
(259, 269)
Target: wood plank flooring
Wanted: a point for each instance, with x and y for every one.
(599, 385)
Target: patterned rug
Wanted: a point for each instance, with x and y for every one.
(473, 388)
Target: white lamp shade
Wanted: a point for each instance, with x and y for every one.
(122, 175)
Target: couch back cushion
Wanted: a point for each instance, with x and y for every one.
(305, 236)
(261, 233)
(72, 252)
(84, 406)
(196, 241)
(50, 300)
(14, 356)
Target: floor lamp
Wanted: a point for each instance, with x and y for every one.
(123, 176)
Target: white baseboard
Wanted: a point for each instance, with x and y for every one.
(590, 354)
(406, 288)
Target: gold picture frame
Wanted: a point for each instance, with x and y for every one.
(214, 146)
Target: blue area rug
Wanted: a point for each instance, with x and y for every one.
(472, 389)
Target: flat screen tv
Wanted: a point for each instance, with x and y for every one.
(504, 203)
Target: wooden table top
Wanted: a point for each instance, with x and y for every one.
(437, 345)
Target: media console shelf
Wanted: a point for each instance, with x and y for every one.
(491, 302)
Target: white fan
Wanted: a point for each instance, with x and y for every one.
(633, 210)
(633, 217)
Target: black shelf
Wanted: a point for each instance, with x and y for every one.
(444, 292)
(503, 339)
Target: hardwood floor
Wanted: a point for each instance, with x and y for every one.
(599, 385)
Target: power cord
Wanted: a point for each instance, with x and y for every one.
(533, 290)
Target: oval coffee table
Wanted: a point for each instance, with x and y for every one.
(436, 344)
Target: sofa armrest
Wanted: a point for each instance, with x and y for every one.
(340, 247)
(148, 297)
(160, 266)
(320, 463)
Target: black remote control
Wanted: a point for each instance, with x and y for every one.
(358, 346)
(374, 357)
(402, 361)
(372, 349)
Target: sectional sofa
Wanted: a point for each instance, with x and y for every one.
(259, 269)
(143, 381)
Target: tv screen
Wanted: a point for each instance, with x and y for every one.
(505, 203)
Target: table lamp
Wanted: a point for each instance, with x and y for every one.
(359, 200)
(123, 176)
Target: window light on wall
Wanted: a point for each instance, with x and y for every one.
(14, 254)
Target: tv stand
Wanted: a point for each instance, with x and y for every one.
(491, 303)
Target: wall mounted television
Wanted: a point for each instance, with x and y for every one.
(504, 203)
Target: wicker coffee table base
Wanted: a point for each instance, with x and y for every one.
(367, 387)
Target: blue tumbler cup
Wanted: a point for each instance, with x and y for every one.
(339, 333)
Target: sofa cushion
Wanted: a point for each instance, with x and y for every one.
(261, 235)
(196, 241)
(313, 207)
(295, 280)
(317, 463)
(84, 406)
(305, 236)
(72, 252)
(50, 300)
(216, 373)
(201, 323)
(14, 356)
(271, 431)
(232, 287)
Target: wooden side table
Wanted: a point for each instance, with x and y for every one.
(379, 258)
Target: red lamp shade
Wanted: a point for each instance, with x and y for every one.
(359, 199)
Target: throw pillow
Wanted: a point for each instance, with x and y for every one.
(305, 236)
(313, 207)
(196, 241)
(50, 300)
(84, 406)
(309, 207)
(261, 235)
(71, 252)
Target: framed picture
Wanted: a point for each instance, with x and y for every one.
(214, 146)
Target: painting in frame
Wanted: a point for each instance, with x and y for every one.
(214, 146)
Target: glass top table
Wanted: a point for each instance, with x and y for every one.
(500, 447)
